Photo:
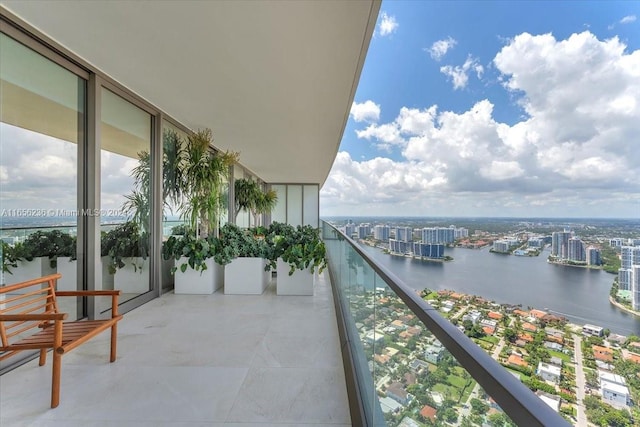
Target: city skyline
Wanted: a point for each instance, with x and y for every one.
(529, 114)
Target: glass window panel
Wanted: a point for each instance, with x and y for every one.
(125, 195)
(279, 212)
(294, 205)
(41, 123)
(310, 205)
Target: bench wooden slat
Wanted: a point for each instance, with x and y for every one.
(32, 305)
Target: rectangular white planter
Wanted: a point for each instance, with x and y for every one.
(299, 283)
(246, 276)
(165, 272)
(132, 280)
(199, 282)
(107, 278)
(69, 270)
(29, 270)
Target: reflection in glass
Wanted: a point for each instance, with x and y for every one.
(125, 196)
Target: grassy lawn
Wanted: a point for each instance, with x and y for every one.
(445, 389)
(490, 338)
(484, 344)
(523, 377)
(467, 392)
(565, 357)
(456, 381)
(432, 295)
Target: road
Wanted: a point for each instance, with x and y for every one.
(466, 411)
(580, 382)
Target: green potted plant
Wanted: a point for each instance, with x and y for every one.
(250, 197)
(298, 253)
(247, 272)
(198, 190)
(127, 251)
(196, 266)
(205, 175)
(38, 255)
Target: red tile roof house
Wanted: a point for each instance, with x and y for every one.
(493, 315)
(517, 361)
(602, 353)
(429, 413)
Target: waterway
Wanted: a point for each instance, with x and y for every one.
(579, 294)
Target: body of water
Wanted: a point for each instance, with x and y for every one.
(580, 294)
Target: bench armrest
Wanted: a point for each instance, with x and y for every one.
(32, 317)
(87, 293)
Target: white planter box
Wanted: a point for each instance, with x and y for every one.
(69, 270)
(299, 283)
(199, 282)
(167, 278)
(29, 270)
(130, 279)
(107, 278)
(246, 276)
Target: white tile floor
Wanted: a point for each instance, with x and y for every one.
(187, 360)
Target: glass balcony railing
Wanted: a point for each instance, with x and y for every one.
(407, 365)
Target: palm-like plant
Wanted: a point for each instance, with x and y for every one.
(250, 197)
(264, 203)
(205, 174)
(173, 184)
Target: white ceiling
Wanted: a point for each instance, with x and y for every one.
(274, 80)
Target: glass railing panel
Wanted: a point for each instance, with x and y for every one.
(403, 358)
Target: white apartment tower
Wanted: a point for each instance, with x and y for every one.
(629, 256)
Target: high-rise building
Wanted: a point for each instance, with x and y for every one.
(438, 235)
(382, 233)
(635, 287)
(629, 256)
(560, 243)
(428, 250)
(399, 247)
(404, 234)
(461, 233)
(593, 256)
(350, 229)
(363, 230)
(575, 250)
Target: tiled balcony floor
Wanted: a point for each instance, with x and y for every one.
(187, 360)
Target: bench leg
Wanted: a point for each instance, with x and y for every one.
(43, 357)
(114, 340)
(55, 382)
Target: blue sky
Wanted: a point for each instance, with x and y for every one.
(495, 109)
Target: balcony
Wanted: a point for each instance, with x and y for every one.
(214, 360)
(252, 360)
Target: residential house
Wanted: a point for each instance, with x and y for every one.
(549, 372)
(397, 392)
(613, 389)
(602, 353)
(429, 413)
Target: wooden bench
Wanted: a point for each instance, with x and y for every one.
(30, 320)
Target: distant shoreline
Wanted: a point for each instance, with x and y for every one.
(623, 308)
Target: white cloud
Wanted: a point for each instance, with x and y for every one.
(367, 111)
(459, 75)
(628, 19)
(575, 152)
(440, 48)
(500, 170)
(388, 24)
